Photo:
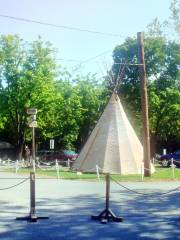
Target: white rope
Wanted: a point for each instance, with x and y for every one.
(43, 169)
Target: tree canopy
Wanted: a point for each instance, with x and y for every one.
(163, 74)
(70, 105)
(67, 106)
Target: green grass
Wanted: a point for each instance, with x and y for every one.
(160, 174)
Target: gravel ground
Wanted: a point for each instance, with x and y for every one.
(69, 205)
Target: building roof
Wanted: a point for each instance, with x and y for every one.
(5, 145)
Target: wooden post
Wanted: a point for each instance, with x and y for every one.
(32, 214)
(33, 144)
(144, 106)
(107, 215)
(32, 197)
(107, 191)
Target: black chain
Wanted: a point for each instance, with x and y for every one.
(145, 194)
(1, 189)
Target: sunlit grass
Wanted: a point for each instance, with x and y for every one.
(161, 173)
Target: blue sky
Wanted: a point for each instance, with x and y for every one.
(123, 17)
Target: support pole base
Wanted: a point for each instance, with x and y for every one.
(106, 216)
(31, 218)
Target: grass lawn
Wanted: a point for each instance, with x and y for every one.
(160, 174)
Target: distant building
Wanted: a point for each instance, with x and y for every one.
(6, 150)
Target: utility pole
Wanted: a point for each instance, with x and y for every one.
(144, 105)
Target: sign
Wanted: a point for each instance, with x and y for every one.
(31, 118)
(33, 124)
(32, 111)
(164, 151)
(51, 143)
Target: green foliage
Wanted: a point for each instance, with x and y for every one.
(69, 107)
(27, 73)
(77, 106)
(68, 110)
(29, 77)
(163, 74)
(170, 28)
(92, 102)
(165, 113)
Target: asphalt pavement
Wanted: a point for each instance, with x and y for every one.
(147, 211)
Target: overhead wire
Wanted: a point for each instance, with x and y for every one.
(99, 55)
(80, 62)
(61, 26)
(91, 58)
(68, 60)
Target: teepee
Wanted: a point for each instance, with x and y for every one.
(113, 145)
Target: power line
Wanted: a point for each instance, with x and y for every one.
(92, 58)
(68, 60)
(79, 62)
(128, 64)
(62, 26)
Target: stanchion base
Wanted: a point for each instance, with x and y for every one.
(31, 218)
(107, 215)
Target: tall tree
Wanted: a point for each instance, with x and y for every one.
(162, 65)
(27, 73)
(170, 28)
(92, 102)
(78, 108)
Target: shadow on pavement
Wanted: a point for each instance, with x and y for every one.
(69, 218)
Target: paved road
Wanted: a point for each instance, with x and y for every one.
(69, 205)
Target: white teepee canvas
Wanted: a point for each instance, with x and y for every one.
(113, 145)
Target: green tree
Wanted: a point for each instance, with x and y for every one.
(27, 73)
(78, 107)
(68, 114)
(92, 98)
(163, 74)
(165, 116)
(170, 28)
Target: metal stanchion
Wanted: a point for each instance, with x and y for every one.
(97, 172)
(173, 168)
(142, 172)
(17, 166)
(68, 163)
(57, 169)
(107, 215)
(32, 215)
